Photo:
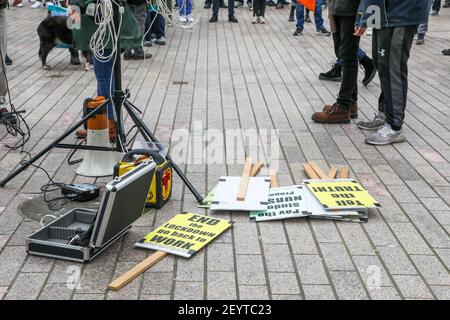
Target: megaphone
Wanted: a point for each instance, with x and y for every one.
(97, 163)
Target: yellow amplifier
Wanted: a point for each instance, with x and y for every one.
(161, 185)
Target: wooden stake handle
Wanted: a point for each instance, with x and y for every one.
(273, 178)
(344, 173)
(244, 180)
(309, 171)
(133, 273)
(256, 168)
(332, 172)
(317, 169)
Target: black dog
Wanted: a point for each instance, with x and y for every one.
(53, 31)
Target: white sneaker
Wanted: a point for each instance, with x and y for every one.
(254, 20)
(20, 5)
(37, 5)
(190, 19)
(182, 19)
(385, 135)
(369, 32)
(48, 3)
(262, 20)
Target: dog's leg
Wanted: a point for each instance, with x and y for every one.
(74, 57)
(44, 50)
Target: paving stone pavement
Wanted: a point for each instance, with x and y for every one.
(248, 77)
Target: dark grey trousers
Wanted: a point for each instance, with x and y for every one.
(391, 48)
(3, 51)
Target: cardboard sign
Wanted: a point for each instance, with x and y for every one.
(341, 194)
(184, 234)
(284, 203)
(206, 203)
(318, 211)
(256, 198)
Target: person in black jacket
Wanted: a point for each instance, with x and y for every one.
(139, 8)
(344, 13)
(393, 34)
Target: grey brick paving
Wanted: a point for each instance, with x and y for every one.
(242, 76)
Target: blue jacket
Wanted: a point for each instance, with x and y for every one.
(393, 13)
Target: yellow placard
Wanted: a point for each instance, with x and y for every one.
(184, 234)
(341, 194)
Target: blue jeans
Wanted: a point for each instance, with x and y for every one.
(423, 28)
(103, 71)
(184, 7)
(158, 27)
(300, 14)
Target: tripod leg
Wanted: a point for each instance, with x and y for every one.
(148, 135)
(26, 164)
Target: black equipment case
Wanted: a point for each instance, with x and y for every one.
(81, 234)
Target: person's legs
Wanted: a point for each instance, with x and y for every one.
(394, 46)
(256, 8)
(423, 28)
(215, 7)
(348, 55)
(188, 7)
(300, 16)
(103, 71)
(3, 87)
(436, 5)
(262, 7)
(231, 8)
(318, 19)
(140, 13)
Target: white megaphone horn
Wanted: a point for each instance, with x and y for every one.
(97, 163)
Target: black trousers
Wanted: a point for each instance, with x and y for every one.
(391, 48)
(346, 48)
(216, 5)
(259, 8)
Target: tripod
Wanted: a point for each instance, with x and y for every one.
(119, 99)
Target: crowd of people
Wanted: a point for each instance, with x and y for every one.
(392, 38)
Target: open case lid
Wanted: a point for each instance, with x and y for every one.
(123, 203)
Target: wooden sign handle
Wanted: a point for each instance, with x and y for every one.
(133, 273)
(256, 168)
(317, 169)
(310, 171)
(245, 179)
(273, 178)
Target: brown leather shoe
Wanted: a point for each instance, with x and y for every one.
(332, 114)
(353, 109)
(82, 133)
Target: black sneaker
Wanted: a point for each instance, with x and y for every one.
(207, 6)
(446, 52)
(232, 19)
(298, 32)
(140, 54)
(213, 18)
(335, 74)
(323, 32)
(369, 70)
(128, 54)
(8, 60)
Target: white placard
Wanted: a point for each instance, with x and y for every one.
(256, 198)
(284, 203)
